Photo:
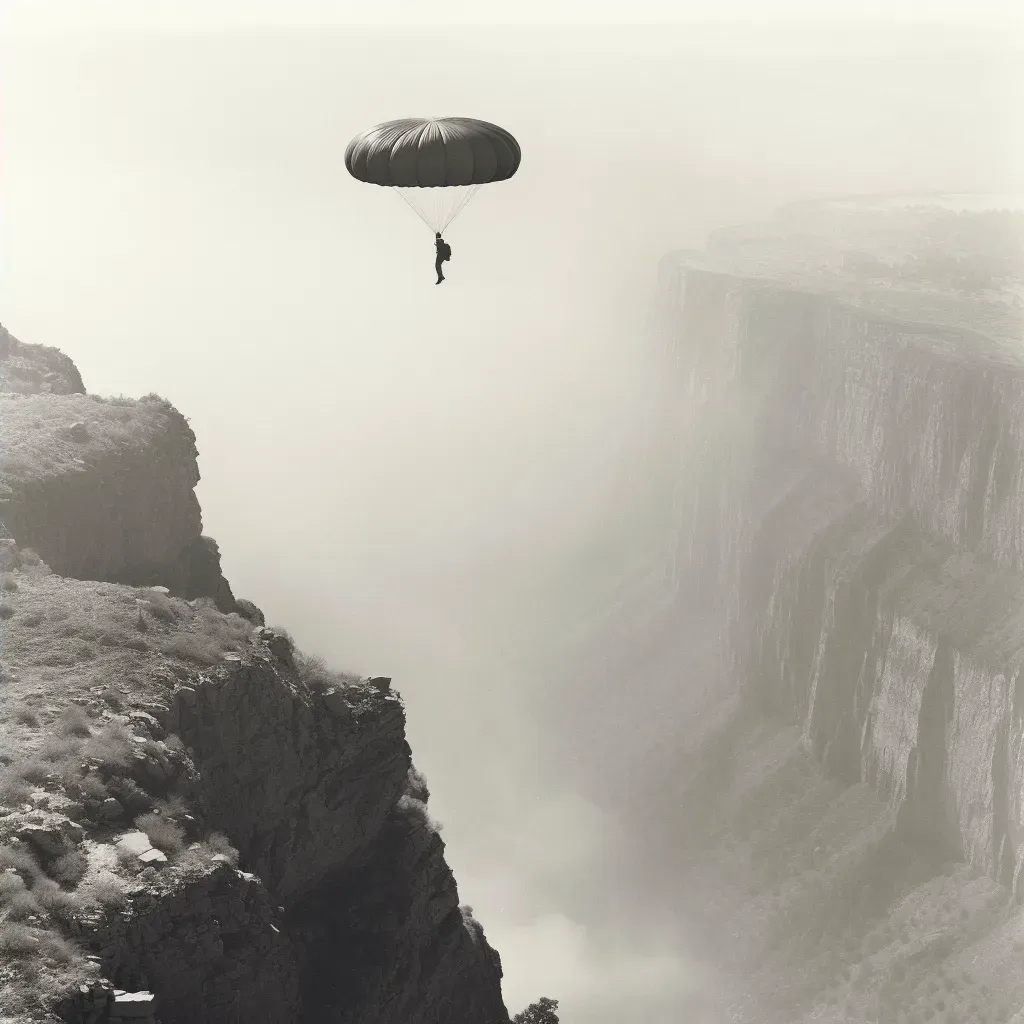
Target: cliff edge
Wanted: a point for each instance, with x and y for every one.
(834, 485)
(198, 822)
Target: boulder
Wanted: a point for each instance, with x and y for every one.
(250, 611)
(382, 684)
(53, 839)
(135, 842)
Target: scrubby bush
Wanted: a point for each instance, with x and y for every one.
(14, 790)
(313, 671)
(193, 648)
(24, 715)
(113, 699)
(317, 675)
(541, 1012)
(15, 855)
(34, 770)
(197, 856)
(109, 893)
(110, 746)
(217, 843)
(18, 941)
(6, 609)
(62, 906)
(58, 750)
(87, 785)
(416, 786)
(162, 607)
(413, 810)
(16, 902)
(163, 833)
(70, 869)
(126, 859)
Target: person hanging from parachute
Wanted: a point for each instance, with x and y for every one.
(444, 253)
(436, 164)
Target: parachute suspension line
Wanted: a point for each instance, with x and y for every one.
(461, 205)
(439, 206)
(415, 208)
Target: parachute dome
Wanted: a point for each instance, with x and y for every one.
(433, 152)
(452, 157)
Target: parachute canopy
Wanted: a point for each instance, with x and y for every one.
(450, 156)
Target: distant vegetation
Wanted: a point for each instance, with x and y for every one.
(316, 673)
(540, 1012)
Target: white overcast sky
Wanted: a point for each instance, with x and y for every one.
(130, 15)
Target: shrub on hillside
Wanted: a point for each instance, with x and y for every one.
(24, 715)
(110, 746)
(74, 721)
(14, 790)
(62, 906)
(192, 647)
(70, 869)
(16, 902)
(109, 893)
(161, 607)
(416, 786)
(317, 675)
(415, 811)
(541, 1012)
(164, 834)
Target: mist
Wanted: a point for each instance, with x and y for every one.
(416, 480)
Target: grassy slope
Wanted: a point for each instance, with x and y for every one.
(76, 658)
(36, 441)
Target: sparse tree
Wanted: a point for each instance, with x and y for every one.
(540, 1012)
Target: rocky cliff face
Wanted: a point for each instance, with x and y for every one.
(102, 489)
(197, 821)
(841, 493)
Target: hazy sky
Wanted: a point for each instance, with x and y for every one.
(388, 464)
(122, 15)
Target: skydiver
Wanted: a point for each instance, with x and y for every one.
(444, 252)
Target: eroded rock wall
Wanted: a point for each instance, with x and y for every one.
(850, 491)
(102, 490)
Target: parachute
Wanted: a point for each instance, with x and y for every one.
(437, 164)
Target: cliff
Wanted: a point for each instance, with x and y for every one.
(834, 482)
(198, 823)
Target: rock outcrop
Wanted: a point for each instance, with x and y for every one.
(198, 823)
(102, 489)
(36, 369)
